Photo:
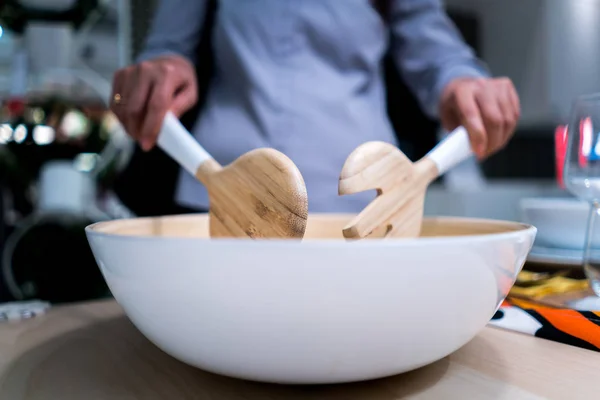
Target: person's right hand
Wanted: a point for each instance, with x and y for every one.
(143, 93)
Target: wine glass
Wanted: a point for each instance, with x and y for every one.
(582, 172)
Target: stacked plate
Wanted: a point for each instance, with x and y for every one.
(562, 225)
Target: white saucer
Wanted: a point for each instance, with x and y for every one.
(561, 222)
(556, 256)
(591, 303)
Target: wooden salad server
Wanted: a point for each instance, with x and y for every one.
(260, 195)
(397, 211)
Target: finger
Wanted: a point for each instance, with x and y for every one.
(470, 118)
(505, 103)
(136, 95)
(117, 88)
(514, 99)
(511, 98)
(516, 106)
(159, 100)
(514, 113)
(493, 120)
(185, 90)
(170, 92)
(184, 99)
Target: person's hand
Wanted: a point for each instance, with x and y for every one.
(489, 110)
(143, 93)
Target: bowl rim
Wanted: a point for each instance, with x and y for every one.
(522, 228)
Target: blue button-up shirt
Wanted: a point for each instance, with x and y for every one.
(305, 77)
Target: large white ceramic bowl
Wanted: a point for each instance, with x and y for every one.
(321, 310)
(561, 222)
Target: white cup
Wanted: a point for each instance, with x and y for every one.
(62, 188)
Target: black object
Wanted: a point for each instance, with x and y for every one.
(528, 155)
(2, 213)
(4, 296)
(52, 261)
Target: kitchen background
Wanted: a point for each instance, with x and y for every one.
(550, 48)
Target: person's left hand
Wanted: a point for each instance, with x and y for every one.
(489, 109)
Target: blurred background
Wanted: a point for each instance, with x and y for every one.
(65, 163)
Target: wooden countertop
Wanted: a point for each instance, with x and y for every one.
(91, 351)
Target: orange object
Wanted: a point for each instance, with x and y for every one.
(573, 327)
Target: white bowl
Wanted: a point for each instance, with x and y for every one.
(321, 310)
(561, 222)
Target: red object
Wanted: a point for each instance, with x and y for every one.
(560, 151)
(15, 106)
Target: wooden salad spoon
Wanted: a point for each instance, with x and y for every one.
(397, 211)
(259, 195)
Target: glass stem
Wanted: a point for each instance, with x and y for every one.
(589, 236)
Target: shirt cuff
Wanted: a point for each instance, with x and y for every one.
(477, 70)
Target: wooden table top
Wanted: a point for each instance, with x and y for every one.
(91, 351)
